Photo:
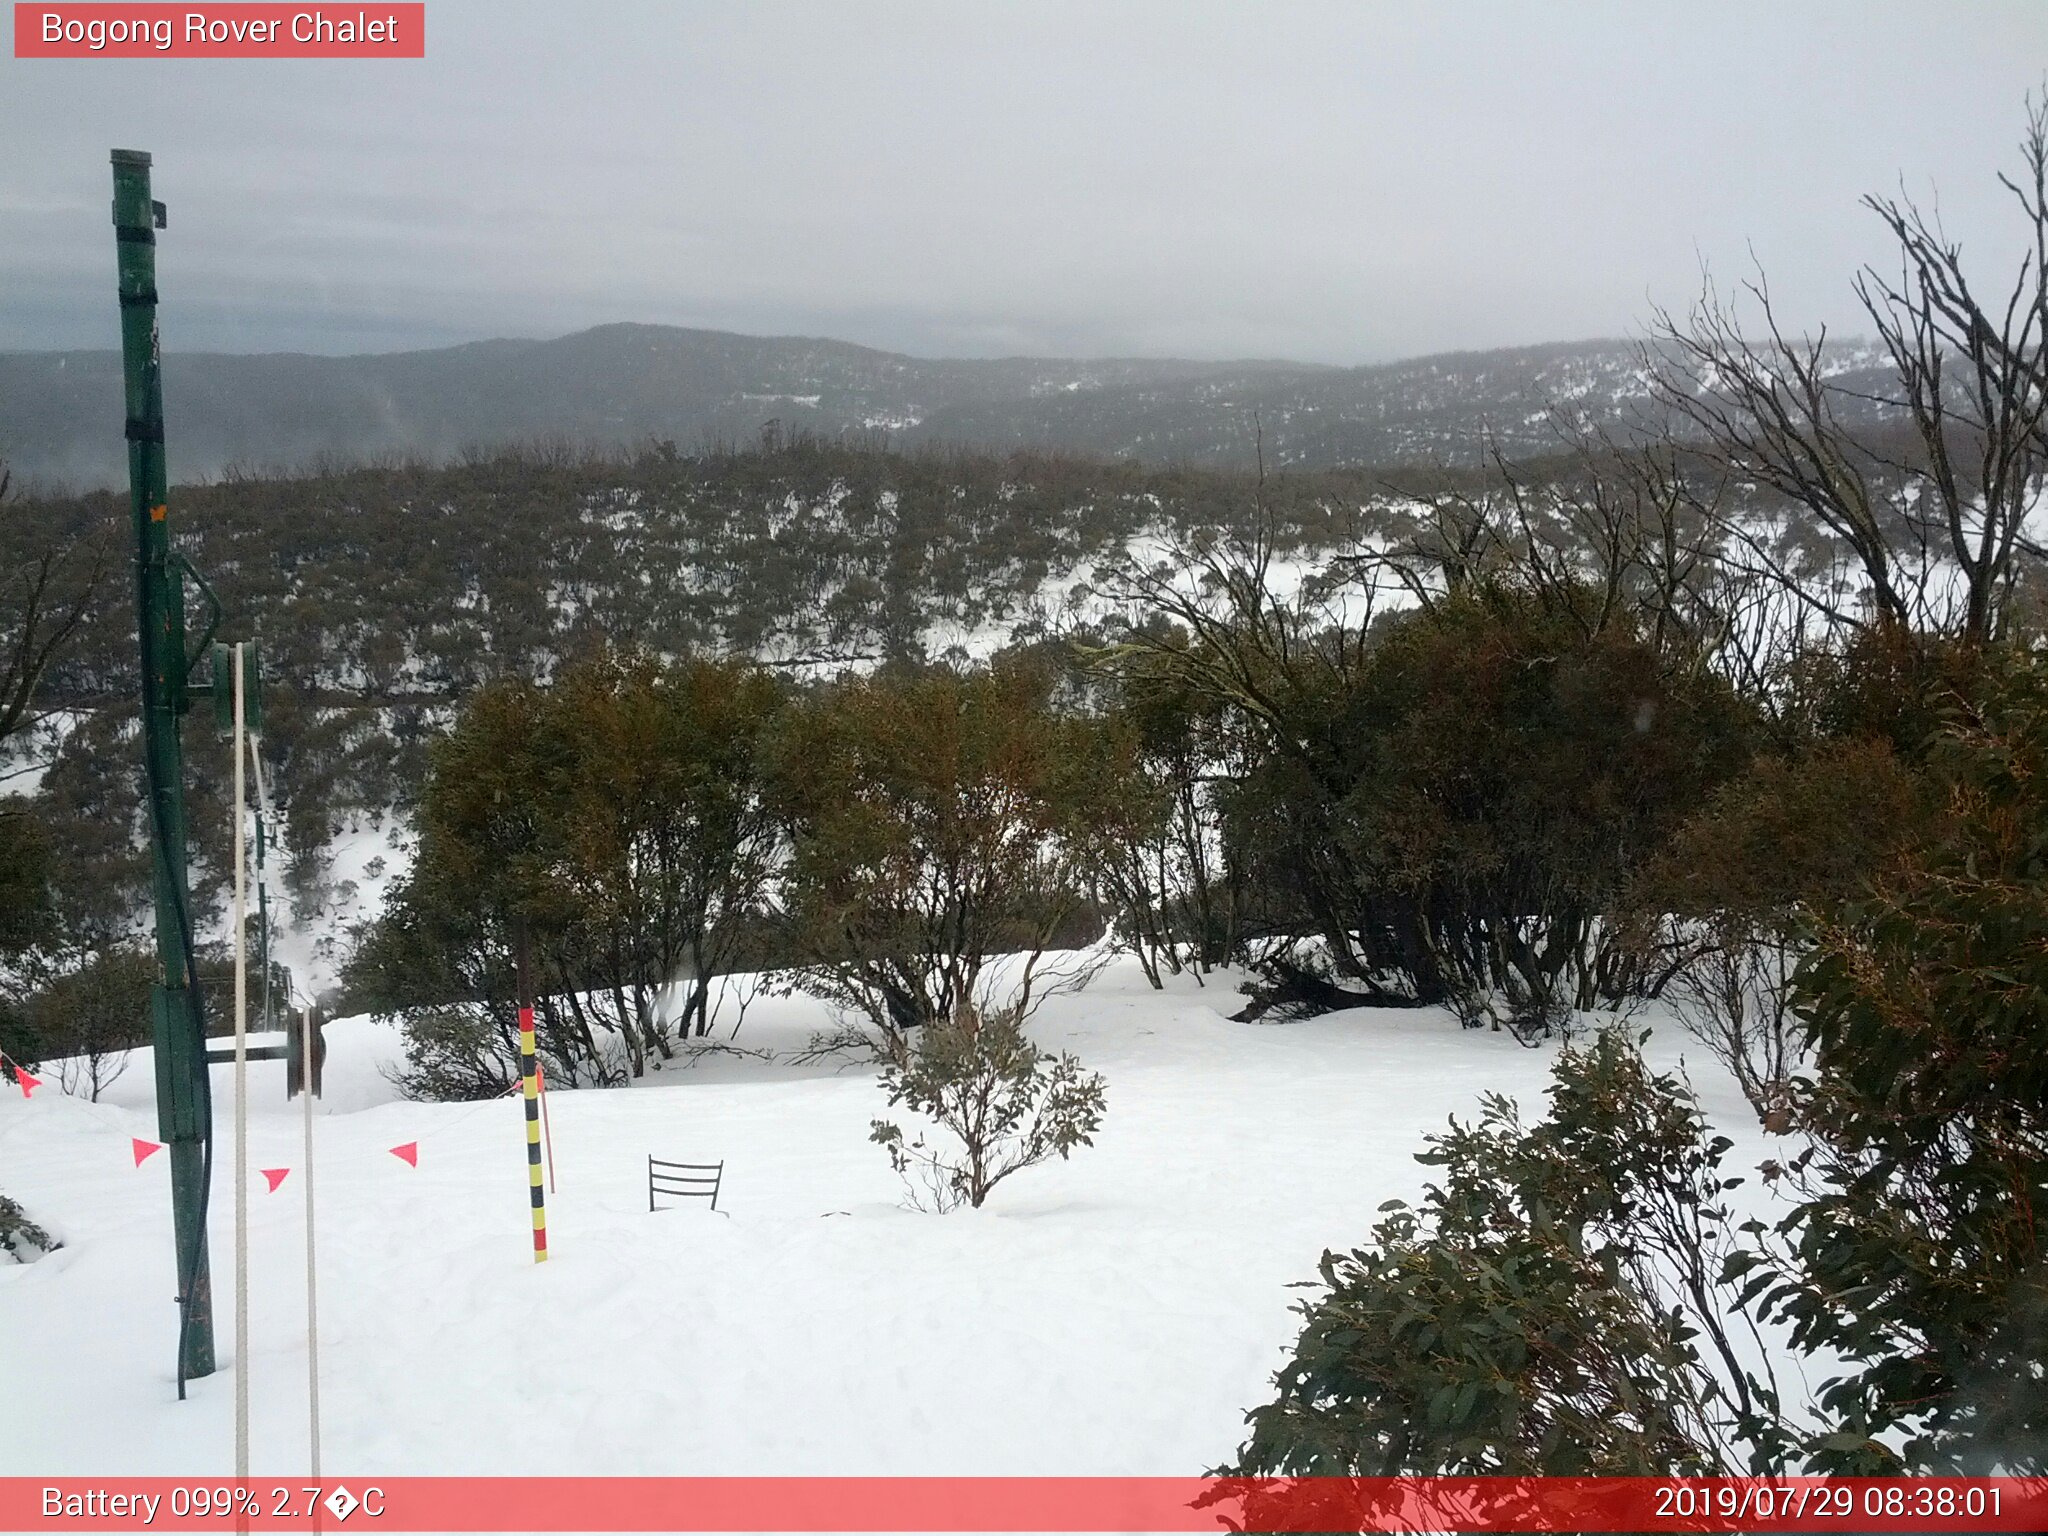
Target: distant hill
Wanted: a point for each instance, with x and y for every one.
(60, 412)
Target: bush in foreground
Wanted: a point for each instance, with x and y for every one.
(1553, 1306)
(1005, 1104)
(20, 1238)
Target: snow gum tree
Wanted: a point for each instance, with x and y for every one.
(1444, 805)
(1161, 872)
(939, 828)
(615, 822)
(667, 842)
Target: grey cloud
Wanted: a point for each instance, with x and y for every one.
(1331, 182)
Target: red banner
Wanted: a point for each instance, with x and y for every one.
(1047, 1504)
(238, 31)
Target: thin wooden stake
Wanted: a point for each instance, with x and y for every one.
(546, 1131)
(312, 1293)
(241, 1099)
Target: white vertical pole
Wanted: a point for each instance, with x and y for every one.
(241, 1097)
(312, 1298)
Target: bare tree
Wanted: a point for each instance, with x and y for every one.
(1636, 533)
(1985, 433)
(1938, 534)
(49, 594)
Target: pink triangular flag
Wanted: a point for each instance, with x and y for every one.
(28, 1083)
(275, 1175)
(410, 1151)
(143, 1148)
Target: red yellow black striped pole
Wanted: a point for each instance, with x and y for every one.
(529, 1070)
(529, 1073)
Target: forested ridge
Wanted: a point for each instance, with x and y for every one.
(389, 583)
(620, 384)
(383, 596)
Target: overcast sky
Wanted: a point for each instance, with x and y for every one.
(1340, 183)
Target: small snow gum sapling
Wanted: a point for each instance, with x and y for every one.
(1005, 1104)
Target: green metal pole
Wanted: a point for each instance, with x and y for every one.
(183, 1103)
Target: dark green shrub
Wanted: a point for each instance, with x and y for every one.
(1455, 810)
(1553, 1306)
(1920, 1251)
(20, 1238)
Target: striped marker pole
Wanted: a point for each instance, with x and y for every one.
(529, 1070)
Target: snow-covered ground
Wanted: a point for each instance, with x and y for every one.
(27, 755)
(365, 863)
(1114, 1314)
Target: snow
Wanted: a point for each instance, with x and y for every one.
(366, 862)
(31, 752)
(1112, 1315)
